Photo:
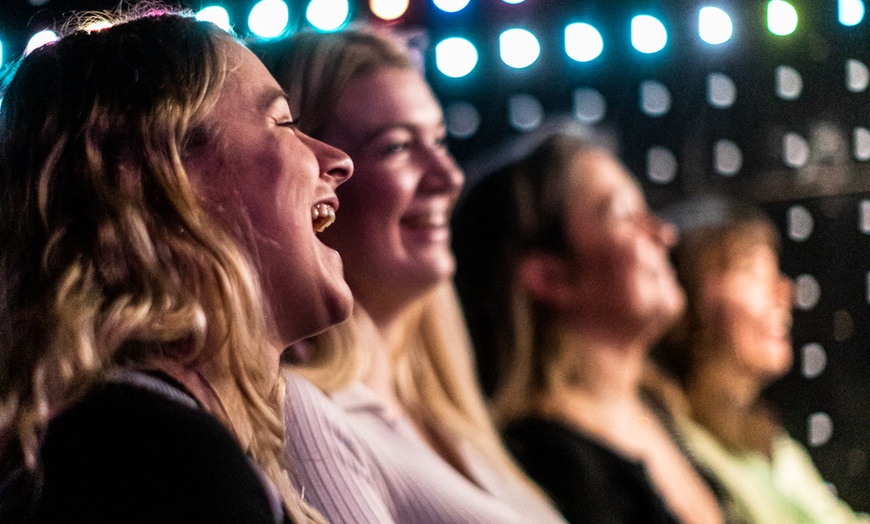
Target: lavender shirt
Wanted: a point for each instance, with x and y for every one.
(355, 465)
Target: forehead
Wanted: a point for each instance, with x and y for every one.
(389, 96)
(248, 86)
(597, 176)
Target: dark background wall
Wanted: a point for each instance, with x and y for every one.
(803, 153)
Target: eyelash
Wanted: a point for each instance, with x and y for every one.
(290, 123)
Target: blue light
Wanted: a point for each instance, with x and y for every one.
(450, 6)
(269, 18)
(583, 42)
(455, 57)
(216, 15)
(714, 25)
(648, 34)
(327, 15)
(850, 12)
(518, 48)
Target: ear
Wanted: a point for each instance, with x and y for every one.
(547, 278)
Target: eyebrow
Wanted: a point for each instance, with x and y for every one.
(406, 126)
(269, 97)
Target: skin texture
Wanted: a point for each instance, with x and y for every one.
(620, 267)
(259, 168)
(394, 234)
(750, 306)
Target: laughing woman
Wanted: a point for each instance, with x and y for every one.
(157, 254)
(394, 428)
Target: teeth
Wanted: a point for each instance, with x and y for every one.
(322, 216)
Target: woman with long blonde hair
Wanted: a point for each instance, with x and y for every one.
(157, 254)
(405, 433)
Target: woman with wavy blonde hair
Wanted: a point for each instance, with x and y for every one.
(157, 254)
(406, 436)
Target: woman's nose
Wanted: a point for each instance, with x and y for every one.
(442, 174)
(333, 162)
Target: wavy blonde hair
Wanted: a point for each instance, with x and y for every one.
(432, 364)
(107, 256)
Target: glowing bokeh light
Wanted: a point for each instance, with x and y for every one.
(455, 57)
(216, 15)
(450, 6)
(648, 34)
(1, 53)
(388, 9)
(714, 25)
(583, 42)
(782, 19)
(518, 48)
(327, 15)
(269, 18)
(513, 1)
(38, 40)
(850, 12)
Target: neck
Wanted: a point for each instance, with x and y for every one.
(387, 337)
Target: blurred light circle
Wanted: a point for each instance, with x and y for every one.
(455, 57)
(450, 6)
(714, 25)
(327, 15)
(269, 18)
(39, 39)
(216, 15)
(648, 34)
(388, 9)
(518, 48)
(583, 42)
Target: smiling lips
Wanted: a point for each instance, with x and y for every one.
(322, 216)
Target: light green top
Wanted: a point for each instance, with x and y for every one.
(786, 490)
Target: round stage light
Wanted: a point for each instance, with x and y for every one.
(327, 15)
(648, 34)
(388, 9)
(782, 19)
(714, 25)
(455, 57)
(583, 42)
(269, 18)
(41, 38)
(216, 15)
(450, 6)
(850, 12)
(518, 48)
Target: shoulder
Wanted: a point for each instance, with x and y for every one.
(125, 450)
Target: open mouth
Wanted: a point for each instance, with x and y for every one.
(322, 216)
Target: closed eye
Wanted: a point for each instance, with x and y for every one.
(290, 123)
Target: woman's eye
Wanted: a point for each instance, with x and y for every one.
(397, 147)
(289, 123)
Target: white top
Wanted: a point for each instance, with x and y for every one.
(355, 465)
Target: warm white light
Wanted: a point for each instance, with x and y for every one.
(327, 15)
(714, 25)
(583, 42)
(269, 18)
(850, 12)
(518, 48)
(388, 9)
(455, 57)
(216, 15)
(450, 6)
(782, 19)
(40, 39)
(648, 34)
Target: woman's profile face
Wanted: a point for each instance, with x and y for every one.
(393, 234)
(257, 168)
(750, 304)
(623, 273)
